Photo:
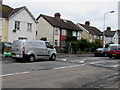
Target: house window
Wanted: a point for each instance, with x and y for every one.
(56, 31)
(22, 38)
(17, 25)
(78, 34)
(29, 26)
(74, 33)
(101, 37)
(64, 32)
(95, 36)
(36, 33)
(56, 42)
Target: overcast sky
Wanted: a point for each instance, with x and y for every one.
(77, 11)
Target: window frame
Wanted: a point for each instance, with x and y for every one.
(56, 43)
(56, 31)
(64, 32)
(78, 34)
(17, 25)
(74, 33)
(29, 26)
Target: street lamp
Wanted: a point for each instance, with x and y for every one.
(104, 27)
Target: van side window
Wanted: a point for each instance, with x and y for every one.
(48, 45)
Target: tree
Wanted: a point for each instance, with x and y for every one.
(83, 43)
(72, 44)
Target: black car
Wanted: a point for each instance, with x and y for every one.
(101, 52)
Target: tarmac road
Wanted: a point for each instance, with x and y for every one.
(67, 72)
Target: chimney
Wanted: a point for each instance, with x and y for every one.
(57, 15)
(87, 23)
(109, 28)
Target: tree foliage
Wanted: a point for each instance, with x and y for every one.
(82, 44)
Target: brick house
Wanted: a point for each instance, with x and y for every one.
(89, 32)
(56, 30)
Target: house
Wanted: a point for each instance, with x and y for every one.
(116, 37)
(17, 24)
(89, 32)
(56, 30)
(110, 36)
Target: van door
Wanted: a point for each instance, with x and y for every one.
(17, 49)
(49, 49)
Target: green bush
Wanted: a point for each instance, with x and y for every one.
(74, 46)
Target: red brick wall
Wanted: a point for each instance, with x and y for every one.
(62, 37)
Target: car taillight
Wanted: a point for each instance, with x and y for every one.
(23, 50)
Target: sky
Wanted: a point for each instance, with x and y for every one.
(77, 11)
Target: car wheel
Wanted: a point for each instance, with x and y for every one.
(53, 57)
(32, 58)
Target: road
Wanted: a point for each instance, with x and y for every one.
(71, 71)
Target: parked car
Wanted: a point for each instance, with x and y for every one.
(5, 47)
(101, 52)
(0, 47)
(32, 50)
(114, 50)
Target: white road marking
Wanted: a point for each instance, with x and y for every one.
(69, 66)
(11, 74)
(64, 59)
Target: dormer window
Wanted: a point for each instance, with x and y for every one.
(17, 25)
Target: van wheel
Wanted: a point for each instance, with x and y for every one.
(53, 57)
(31, 58)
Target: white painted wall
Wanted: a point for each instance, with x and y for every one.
(44, 29)
(119, 15)
(108, 39)
(115, 38)
(24, 18)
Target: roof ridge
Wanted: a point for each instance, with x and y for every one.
(61, 23)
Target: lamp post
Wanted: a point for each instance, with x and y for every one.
(104, 27)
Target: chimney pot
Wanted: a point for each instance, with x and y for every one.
(87, 23)
(109, 28)
(57, 15)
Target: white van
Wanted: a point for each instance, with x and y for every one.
(32, 50)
